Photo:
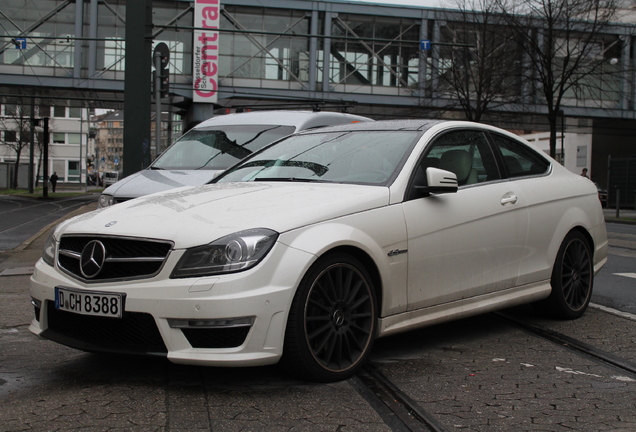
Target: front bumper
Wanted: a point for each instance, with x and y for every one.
(227, 320)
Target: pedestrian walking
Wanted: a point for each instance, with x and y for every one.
(584, 173)
(53, 180)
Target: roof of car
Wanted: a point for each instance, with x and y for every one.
(414, 125)
(299, 119)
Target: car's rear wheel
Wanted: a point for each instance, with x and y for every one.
(572, 279)
(332, 320)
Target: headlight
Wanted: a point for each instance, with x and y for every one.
(48, 254)
(233, 253)
(105, 200)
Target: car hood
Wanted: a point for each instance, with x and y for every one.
(198, 215)
(150, 181)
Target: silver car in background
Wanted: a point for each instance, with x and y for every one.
(213, 146)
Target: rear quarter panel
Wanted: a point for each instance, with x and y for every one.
(557, 204)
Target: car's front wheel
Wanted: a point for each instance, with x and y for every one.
(572, 279)
(332, 320)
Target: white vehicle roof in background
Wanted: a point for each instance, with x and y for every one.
(300, 119)
(151, 179)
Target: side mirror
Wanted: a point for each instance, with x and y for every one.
(438, 182)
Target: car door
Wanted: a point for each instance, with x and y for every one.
(467, 243)
(528, 170)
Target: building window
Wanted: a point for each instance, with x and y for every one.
(75, 112)
(59, 111)
(10, 136)
(73, 168)
(376, 63)
(73, 138)
(10, 110)
(59, 138)
(263, 56)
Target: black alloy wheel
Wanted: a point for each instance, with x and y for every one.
(572, 279)
(332, 321)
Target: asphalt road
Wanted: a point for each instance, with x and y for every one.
(615, 285)
(21, 218)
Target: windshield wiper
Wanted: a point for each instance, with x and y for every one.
(289, 179)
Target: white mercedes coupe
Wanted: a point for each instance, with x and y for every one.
(309, 249)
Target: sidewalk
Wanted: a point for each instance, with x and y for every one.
(627, 216)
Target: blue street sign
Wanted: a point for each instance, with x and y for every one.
(20, 43)
(425, 44)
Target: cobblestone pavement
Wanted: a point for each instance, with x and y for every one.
(479, 374)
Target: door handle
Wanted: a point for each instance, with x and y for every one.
(509, 199)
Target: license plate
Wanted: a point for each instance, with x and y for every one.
(102, 304)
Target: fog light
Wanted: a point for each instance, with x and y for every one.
(212, 323)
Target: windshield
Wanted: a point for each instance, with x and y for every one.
(218, 147)
(365, 157)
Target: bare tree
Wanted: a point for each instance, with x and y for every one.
(478, 62)
(16, 124)
(566, 49)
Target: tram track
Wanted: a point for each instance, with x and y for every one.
(26, 217)
(573, 344)
(402, 413)
(55, 208)
(399, 411)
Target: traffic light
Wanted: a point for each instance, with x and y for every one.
(161, 76)
(161, 60)
(164, 80)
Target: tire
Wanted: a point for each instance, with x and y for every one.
(332, 321)
(572, 279)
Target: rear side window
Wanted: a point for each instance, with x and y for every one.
(519, 159)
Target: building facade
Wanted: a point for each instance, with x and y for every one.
(68, 139)
(378, 60)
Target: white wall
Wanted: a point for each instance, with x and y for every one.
(577, 149)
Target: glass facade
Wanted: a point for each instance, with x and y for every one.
(364, 50)
(49, 41)
(270, 46)
(379, 51)
(50, 31)
(274, 56)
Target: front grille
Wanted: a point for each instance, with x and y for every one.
(135, 332)
(125, 258)
(229, 337)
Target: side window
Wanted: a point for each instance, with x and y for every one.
(465, 153)
(519, 159)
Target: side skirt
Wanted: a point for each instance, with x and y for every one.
(463, 308)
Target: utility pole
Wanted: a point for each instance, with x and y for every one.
(137, 85)
(45, 168)
(161, 57)
(31, 145)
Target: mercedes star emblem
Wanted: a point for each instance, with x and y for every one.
(92, 259)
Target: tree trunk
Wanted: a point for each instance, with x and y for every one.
(17, 169)
(37, 174)
(552, 119)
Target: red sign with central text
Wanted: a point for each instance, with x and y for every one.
(205, 51)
